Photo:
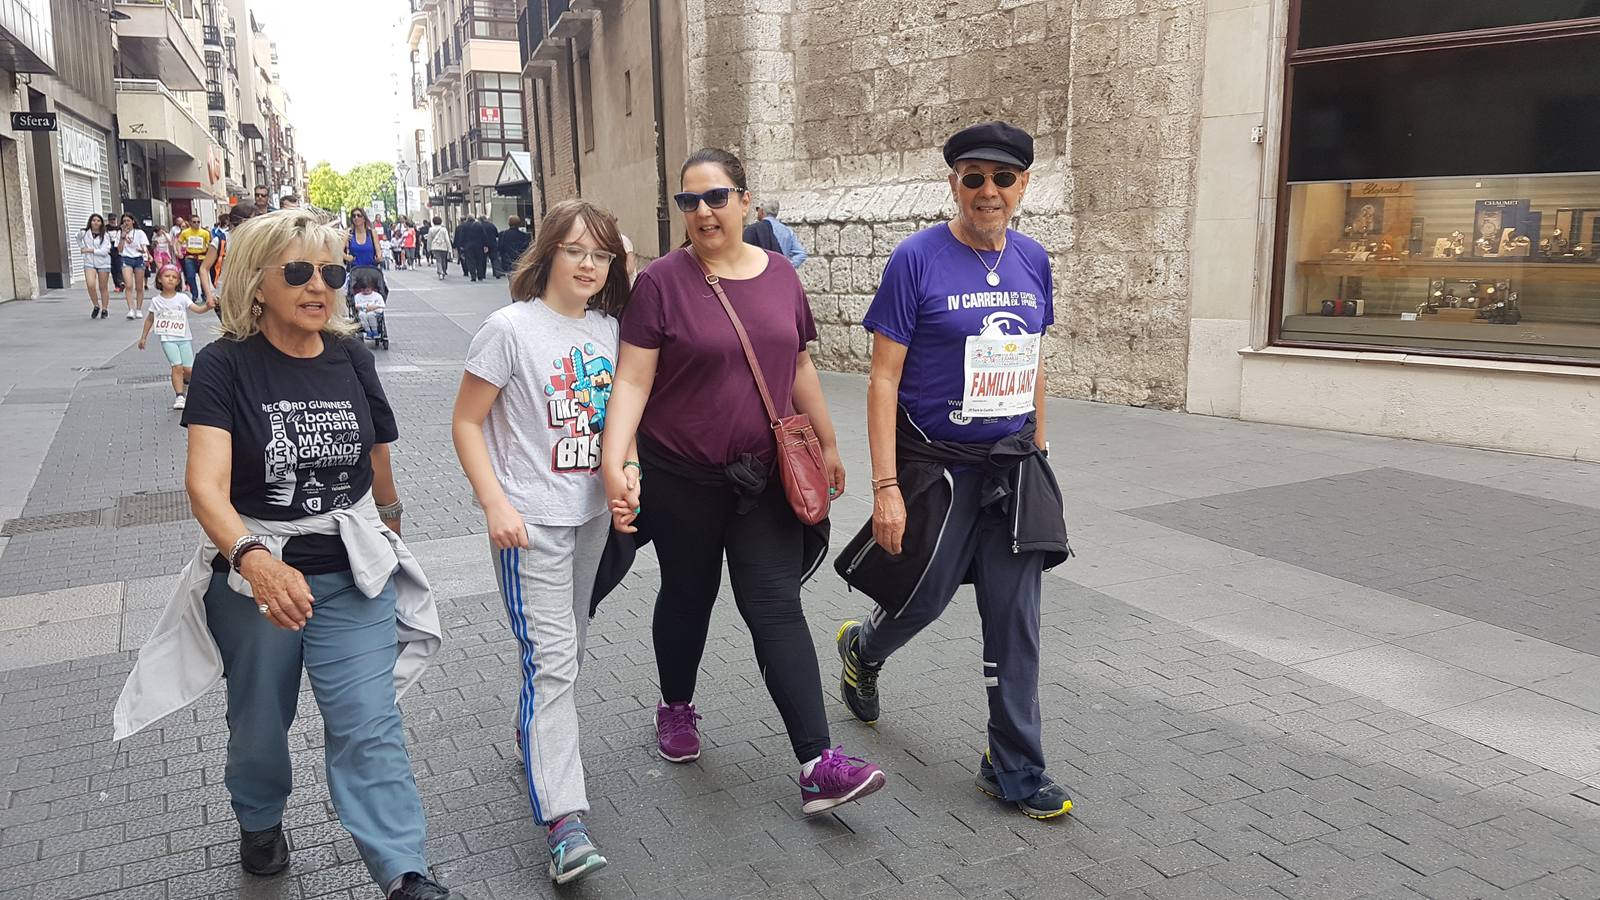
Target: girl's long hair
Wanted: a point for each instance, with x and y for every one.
(532, 273)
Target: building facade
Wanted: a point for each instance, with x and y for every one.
(1344, 214)
(604, 87)
(73, 169)
(27, 50)
(170, 162)
(475, 104)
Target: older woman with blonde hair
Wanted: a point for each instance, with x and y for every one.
(289, 476)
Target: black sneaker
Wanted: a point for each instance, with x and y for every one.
(416, 886)
(1049, 801)
(264, 852)
(858, 682)
(94, 312)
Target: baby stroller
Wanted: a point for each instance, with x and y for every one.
(374, 326)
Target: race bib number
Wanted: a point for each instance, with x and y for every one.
(171, 326)
(196, 244)
(1000, 375)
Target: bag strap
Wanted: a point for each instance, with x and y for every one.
(744, 338)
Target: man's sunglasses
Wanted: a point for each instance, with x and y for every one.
(716, 198)
(296, 274)
(1002, 179)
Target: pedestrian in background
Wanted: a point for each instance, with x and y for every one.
(168, 317)
(133, 245)
(302, 567)
(532, 458)
(469, 244)
(263, 202)
(788, 243)
(408, 244)
(363, 248)
(961, 487)
(289, 201)
(439, 246)
(193, 241)
(95, 244)
(490, 236)
(709, 487)
(512, 242)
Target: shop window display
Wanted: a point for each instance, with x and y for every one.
(1483, 265)
(1444, 197)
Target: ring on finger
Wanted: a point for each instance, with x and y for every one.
(263, 607)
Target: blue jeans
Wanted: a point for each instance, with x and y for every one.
(191, 275)
(348, 649)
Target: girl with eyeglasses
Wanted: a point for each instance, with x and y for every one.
(528, 426)
(710, 489)
(302, 567)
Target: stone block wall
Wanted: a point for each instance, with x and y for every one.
(840, 107)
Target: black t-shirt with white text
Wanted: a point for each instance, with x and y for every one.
(303, 432)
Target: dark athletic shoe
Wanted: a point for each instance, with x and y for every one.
(1049, 801)
(264, 852)
(858, 682)
(416, 886)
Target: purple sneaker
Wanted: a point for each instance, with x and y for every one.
(837, 779)
(677, 736)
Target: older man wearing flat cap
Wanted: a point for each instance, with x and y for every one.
(961, 488)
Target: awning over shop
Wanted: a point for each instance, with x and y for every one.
(515, 175)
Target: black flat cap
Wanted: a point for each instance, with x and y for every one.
(999, 142)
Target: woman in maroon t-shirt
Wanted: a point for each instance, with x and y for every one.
(684, 388)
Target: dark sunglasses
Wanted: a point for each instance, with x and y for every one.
(296, 274)
(716, 198)
(1002, 179)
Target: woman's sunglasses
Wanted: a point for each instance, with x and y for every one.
(296, 274)
(716, 198)
(1002, 179)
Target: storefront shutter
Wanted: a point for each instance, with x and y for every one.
(82, 200)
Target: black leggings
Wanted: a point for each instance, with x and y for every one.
(692, 525)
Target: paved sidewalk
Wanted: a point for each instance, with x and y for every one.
(1285, 664)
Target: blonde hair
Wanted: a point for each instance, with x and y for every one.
(258, 242)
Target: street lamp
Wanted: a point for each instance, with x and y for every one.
(404, 170)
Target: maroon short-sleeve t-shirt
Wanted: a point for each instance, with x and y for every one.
(704, 405)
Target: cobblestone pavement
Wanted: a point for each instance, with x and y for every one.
(1189, 698)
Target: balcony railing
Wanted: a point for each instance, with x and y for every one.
(531, 29)
(492, 20)
(212, 35)
(216, 100)
(419, 93)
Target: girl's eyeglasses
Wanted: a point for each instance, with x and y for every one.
(296, 274)
(577, 253)
(716, 198)
(1002, 179)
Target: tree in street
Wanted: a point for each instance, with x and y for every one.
(326, 188)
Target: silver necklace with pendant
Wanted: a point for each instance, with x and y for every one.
(994, 275)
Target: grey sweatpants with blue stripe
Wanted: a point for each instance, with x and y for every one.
(546, 589)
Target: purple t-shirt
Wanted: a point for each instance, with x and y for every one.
(704, 405)
(972, 347)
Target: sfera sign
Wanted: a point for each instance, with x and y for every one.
(32, 121)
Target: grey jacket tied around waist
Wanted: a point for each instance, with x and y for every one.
(180, 661)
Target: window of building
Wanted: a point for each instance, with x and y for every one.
(1442, 195)
(496, 114)
(585, 102)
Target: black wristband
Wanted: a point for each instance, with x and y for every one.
(241, 550)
